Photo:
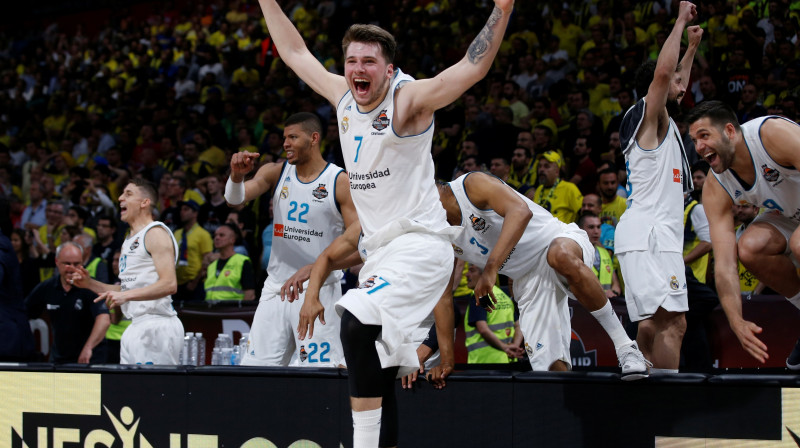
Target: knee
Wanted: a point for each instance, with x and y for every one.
(675, 325)
(646, 330)
(563, 260)
(749, 250)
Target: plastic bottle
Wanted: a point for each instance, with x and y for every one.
(216, 356)
(244, 344)
(185, 356)
(192, 349)
(201, 349)
(225, 356)
(236, 356)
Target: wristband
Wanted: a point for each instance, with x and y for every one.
(234, 192)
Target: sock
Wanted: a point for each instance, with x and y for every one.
(366, 428)
(654, 371)
(795, 300)
(608, 320)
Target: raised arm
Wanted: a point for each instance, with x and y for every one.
(717, 205)
(695, 34)
(238, 193)
(489, 192)
(423, 97)
(293, 51)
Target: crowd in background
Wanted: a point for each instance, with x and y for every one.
(171, 96)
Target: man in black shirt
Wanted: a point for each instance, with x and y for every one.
(79, 325)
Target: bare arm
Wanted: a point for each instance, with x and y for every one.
(345, 202)
(695, 34)
(781, 140)
(159, 244)
(101, 323)
(264, 179)
(488, 192)
(702, 248)
(418, 100)
(717, 205)
(293, 51)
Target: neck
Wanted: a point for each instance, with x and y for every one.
(551, 184)
(451, 207)
(107, 240)
(188, 225)
(138, 223)
(742, 161)
(310, 170)
(217, 199)
(226, 252)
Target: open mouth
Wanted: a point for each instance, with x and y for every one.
(710, 157)
(361, 85)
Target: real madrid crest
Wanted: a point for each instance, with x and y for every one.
(345, 124)
(673, 283)
(284, 192)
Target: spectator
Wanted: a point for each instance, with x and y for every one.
(585, 173)
(492, 337)
(603, 266)
(559, 197)
(21, 241)
(16, 340)
(748, 104)
(194, 242)
(500, 167)
(613, 205)
(107, 240)
(230, 276)
(215, 210)
(96, 266)
(79, 324)
(34, 215)
(523, 173)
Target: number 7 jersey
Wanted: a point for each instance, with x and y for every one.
(306, 219)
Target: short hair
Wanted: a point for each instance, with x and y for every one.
(65, 244)
(308, 122)
(584, 216)
(148, 190)
(717, 112)
(84, 240)
(371, 34)
(112, 222)
(81, 212)
(237, 232)
(607, 171)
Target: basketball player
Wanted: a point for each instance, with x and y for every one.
(311, 206)
(147, 280)
(754, 163)
(386, 129)
(649, 236)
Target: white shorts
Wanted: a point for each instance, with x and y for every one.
(653, 279)
(784, 225)
(273, 335)
(400, 284)
(152, 339)
(542, 296)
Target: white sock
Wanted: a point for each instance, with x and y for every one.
(608, 320)
(654, 371)
(366, 428)
(795, 300)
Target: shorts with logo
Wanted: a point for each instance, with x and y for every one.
(653, 279)
(544, 317)
(400, 284)
(273, 336)
(152, 339)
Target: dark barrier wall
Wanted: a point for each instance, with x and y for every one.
(257, 408)
(591, 347)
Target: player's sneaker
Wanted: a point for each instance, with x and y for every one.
(634, 366)
(793, 361)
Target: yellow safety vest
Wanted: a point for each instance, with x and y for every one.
(115, 331)
(699, 266)
(606, 270)
(500, 322)
(228, 286)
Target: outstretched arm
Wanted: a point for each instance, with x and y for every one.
(236, 192)
(695, 34)
(421, 98)
(292, 49)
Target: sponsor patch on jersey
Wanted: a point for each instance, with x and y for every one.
(278, 230)
(673, 283)
(284, 192)
(676, 175)
(382, 122)
(345, 124)
(320, 192)
(135, 244)
(478, 223)
(770, 174)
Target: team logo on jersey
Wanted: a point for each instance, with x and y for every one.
(284, 192)
(528, 349)
(478, 223)
(770, 174)
(135, 244)
(320, 192)
(278, 230)
(78, 305)
(737, 194)
(382, 122)
(673, 283)
(345, 125)
(458, 250)
(676, 175)
(368, 283)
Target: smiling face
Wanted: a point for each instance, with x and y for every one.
(367, 73)
(713, 143)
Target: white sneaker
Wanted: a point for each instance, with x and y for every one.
(634, 366)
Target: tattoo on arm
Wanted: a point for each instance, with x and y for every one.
(482, 43)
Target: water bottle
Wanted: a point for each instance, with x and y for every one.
(244, 344)
(185, 357)
(225, 356)
(236, 356)
(192, 349)
(216, 356)
(201, 349)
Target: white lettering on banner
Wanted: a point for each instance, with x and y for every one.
(230, 326)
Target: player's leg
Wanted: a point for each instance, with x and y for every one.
(271, 337)
(645, 337)
(571, 260)
(669, 331)
(325, 348)
(763, 251)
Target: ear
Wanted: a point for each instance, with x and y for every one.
(390, 71)
(730, 131)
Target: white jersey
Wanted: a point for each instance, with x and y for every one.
(306, 221)
(137, 270)
(391, 177)
(480, 230)
(776, 187)
(655, 188)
